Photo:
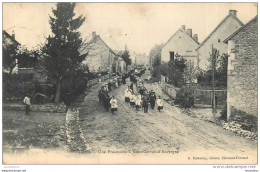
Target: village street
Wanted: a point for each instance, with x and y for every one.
(169, 130)
(128, 132)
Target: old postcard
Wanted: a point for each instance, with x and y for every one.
(130, 83)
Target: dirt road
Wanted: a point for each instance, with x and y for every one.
(96, 136)
(170, 130)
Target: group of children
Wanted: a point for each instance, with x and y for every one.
(105, 99)
(142, 99)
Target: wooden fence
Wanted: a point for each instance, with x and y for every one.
(205, 97)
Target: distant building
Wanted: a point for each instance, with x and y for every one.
(225, 28)
(121, 65)
(141, 59)
(132, 57)
(155, 56)
(100, 56)
(242, 78)
(181, 44)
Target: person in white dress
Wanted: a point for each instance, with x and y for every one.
(128, 93)
(159, 103)
(138, 101)
(116, 83)
(132, 99)
(113, 103)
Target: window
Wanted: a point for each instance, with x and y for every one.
(171, 55)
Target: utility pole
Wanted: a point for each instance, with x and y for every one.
(213, 59)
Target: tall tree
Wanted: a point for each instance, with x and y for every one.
(25, 57)
(176, 72)
(155, 55)
(9, 56)
(126, 57)
(222, 68)
(61, 51)
(221, 65)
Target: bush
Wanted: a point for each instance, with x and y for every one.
(152, 80)
(91, 76)
(184, 98)
(104, 73)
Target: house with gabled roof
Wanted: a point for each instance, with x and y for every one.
(9, 42)
(182, 44)
(225, 28)
(242, 85)
(9, 39)
(100, 56)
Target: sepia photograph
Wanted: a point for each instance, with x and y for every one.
(130, 83)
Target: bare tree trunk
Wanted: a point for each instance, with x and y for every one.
(57, 96)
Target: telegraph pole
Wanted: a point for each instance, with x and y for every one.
(213, 57)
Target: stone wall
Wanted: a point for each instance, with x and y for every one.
(50, 107)
(169, 89)
(96, 80)
(36, 108)
(242, 70)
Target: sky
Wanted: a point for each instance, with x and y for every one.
(138, 25)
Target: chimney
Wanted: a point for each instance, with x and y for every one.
(195, 37)
(183, 27)
(94, 35)
(189, 32)
(13, 35)
(233, 12)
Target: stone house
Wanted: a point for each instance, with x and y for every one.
(242, 69)
(182, 43)
(225, 28)
(100, 56)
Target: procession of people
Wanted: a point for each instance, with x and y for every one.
(140, 98)
(104, 98)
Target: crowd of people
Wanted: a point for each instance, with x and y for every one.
(140, 98)
(103, 96)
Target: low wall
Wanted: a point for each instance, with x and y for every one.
(96, 80)
(169, 89)
(36, 108)
(50, 107)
